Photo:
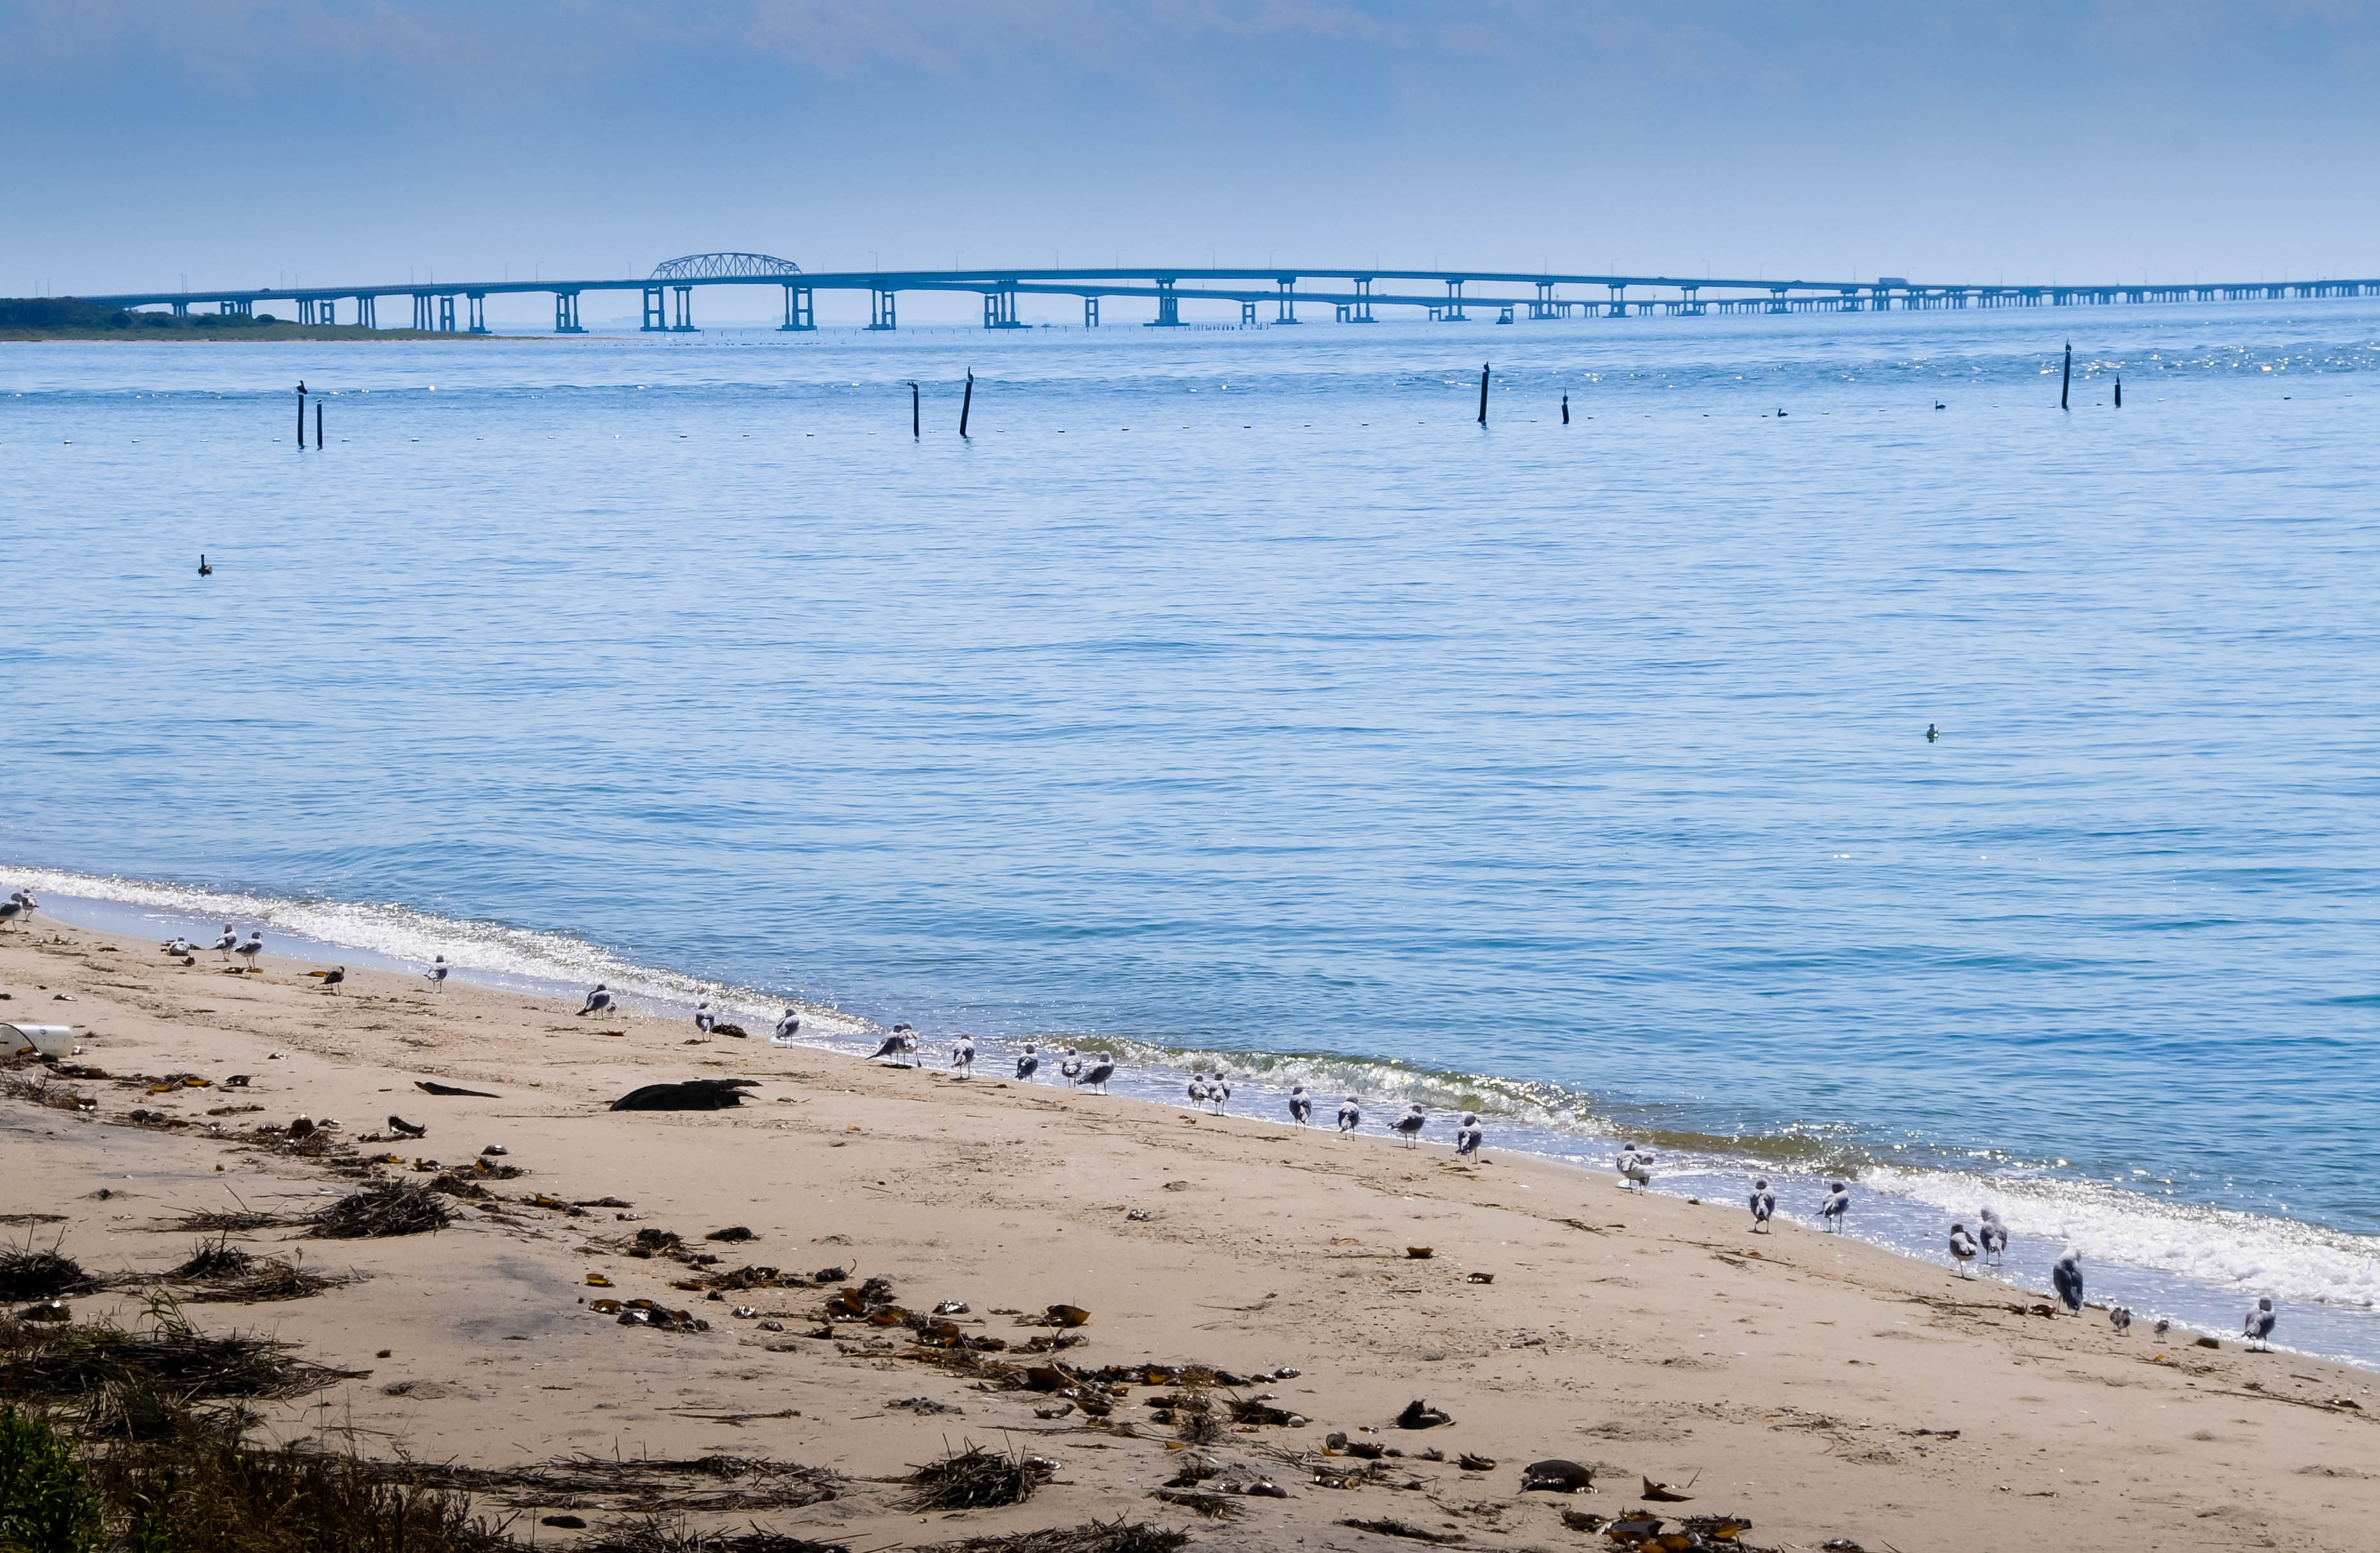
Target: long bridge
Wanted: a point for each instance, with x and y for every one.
(667, 293)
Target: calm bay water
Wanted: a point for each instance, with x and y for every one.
(1234, 692)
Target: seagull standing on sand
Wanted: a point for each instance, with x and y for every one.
(1218, 1093)
(253, 948)
(598, 1001)
(1027, 1065)
(2067, 1278)
(177, 946)
(703, 1018)
(1994, 1235)
(1301, 1105)
(1102, 1070)
(899, 1044)
(330, 978)
(1069, 1066)
(437, 973)
(2258, 1329)
(1468, 1138)
(789, 1025)
(1198, 1089)
(963, 1057)
(1962, 1247)
(1410, 1124)
(1838, 1204)
(229, 941)
(12, 910)
(1349, 1115)
(2120, 1317)
(1764, 1206)
(1635, 1167)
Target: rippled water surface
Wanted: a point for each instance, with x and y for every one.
(1238, 692)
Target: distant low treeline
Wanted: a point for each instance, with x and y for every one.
(68, 312)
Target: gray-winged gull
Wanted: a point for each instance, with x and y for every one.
(1096, 1077)
(1301, 1105)
(1634, 1165)
(1410, 1124)
(598, 1001)
(1838, 1204)
(1962, 1247)
(2066, 1277)
(437, 973)
(1764, 1206)
(1351, 1115)
(2258, 1328)
(963, 1056)
(1028, 1064)
(1468, 1138)
(253, 950)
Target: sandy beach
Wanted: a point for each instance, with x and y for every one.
(1828, 1393)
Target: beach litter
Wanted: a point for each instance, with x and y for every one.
(28, 1274)
(1410, 1532)
(1420, 1414)
(693, 1094)
(387, 1208)
(1558, 1476)
(427, 1087)
(975, 1478)
(1093, 1537)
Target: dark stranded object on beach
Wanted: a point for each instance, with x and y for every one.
(693, 1094)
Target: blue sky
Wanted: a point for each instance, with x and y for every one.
(238, 140)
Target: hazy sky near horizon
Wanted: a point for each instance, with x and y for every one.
(235, 141)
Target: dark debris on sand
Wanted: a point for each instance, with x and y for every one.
(115, 1381)
(387, 1208)
(28, 1274)
(717, 1483)
(653, 1535)
(976, 1479)
(693, 1094)
(1093, 1537)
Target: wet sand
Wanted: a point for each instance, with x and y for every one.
(1821, 1388)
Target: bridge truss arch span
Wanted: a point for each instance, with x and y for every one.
(726, 267)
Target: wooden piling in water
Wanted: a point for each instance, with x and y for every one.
(317, 425)
(2119, 394)
(2066, 384)
(302, 414)
(1565, 409)
(917, 427)
(968, 403)
(1482, 392)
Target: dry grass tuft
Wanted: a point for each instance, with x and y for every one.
(1095, 1536)
(390, 1208)
(653, 1535)
(974, 1479)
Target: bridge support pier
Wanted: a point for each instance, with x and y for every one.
(1247, 315)
(565, 314)
(1616, 305)
(880, 310)
(1000, 308)
(1453, 312)
(654, 312)
(685, 324)
(1168, 307)
(1090, 312)
(240, 307)
(801, 314)
(1288, 301)
(446, 313)
(367, 311)
(478, 311)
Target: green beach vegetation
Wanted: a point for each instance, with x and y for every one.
(69, 317)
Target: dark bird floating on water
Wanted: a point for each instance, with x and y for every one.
(205, 570)
(1932, 733)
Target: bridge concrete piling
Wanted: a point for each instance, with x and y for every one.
(880, 309)
(1288, 314)
(478, 311)
(1000, 308)
(565, 314)
(1169, 307)
(1090, 312)
(685, 324)
(446, 313)
(801, 310)
(1248, 313)
(654, 314)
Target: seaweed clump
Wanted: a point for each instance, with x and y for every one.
(390, 1208)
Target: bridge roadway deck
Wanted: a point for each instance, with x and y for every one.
(1684, 293)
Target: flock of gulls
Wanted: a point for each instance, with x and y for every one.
(1987, 1242)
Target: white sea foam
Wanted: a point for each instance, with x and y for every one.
(405, 936)
(2224, 1247)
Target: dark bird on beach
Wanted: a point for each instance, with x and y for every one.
(598, 1001)
(2067, 1278)
(12, 910)
(963, 1057)
(1468, 1138)
(2120, 1317)
(1027, 1065)
(1764, 1206)
(1932, 733)
(899, 1044)
(2163, 1327)
(2260, 1320)
(1349, 1115)
(1301, 1105)
(405, 1129)
(1410, 1124)
(1097, 1075)
(1838, 1204)
(178, 947)
(1962, 1247)
(1993, 1236)
(205, 570)
(330, 978)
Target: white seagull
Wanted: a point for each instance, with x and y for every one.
(1198, 1089)
(1838, 1204)
(598, 1001)
(2067, 1278)
(1069, 1066)
(789, 1025)
(252, 949)
(1962, 1247)
(2258, 1329)
(1469, 1137)
(1993, 1234)
(2120, 1317)
(1349, 1115)
(229, 941)
(1027, 1065)
(1301, 1105)
(1097, 1075)
(963, 1057)
(1410, 1124)
(1218, 1093)
(437, 973)
(899, 1044)
(1635, 1167)
(1764, 1206)
(703, 1018)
